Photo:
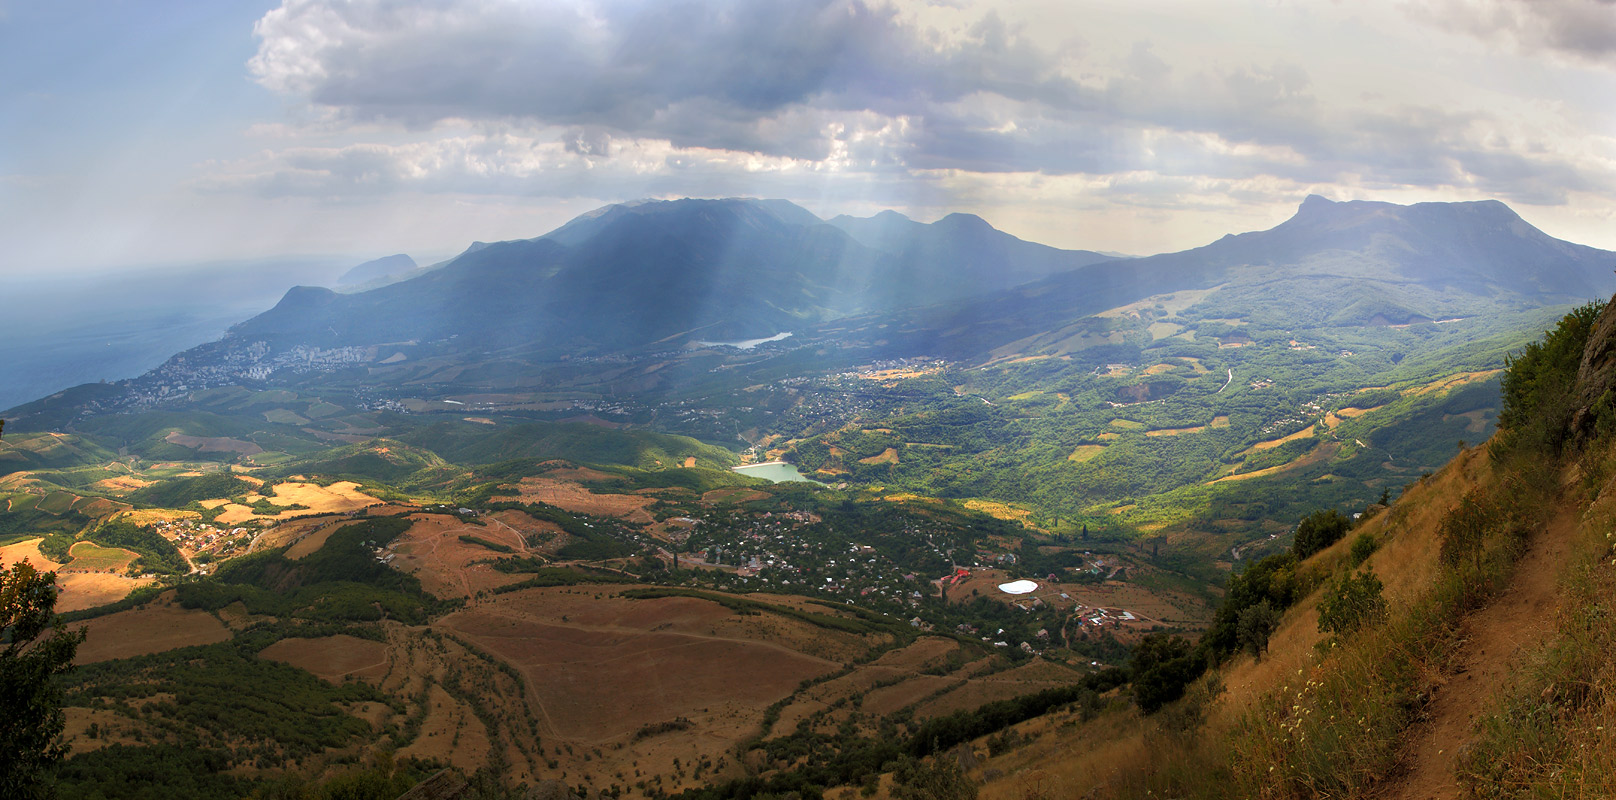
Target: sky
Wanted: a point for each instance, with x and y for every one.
(165, 132)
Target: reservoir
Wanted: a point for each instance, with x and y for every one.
(774, 471)
(747, 344)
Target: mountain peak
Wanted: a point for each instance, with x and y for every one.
(966, 221)
(1315, 201)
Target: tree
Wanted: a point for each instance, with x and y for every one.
(1256, 625)
(1320, 530)
(1163, 667)
(34, 652)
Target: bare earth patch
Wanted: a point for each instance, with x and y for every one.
(574, 497)
(601, 667)
(147, 630)
(1175, 431)
(1304, 433)
(332, 657)
(448, 567)
(1314, 456)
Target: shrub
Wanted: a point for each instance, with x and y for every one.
(1363, 546)
(1464, 530)
(1351, 603)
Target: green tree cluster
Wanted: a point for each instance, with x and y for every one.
(1320, 530)
(1538, 382)
(1163, 668)
(34, 651)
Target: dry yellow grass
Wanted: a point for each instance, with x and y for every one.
(1304, 433)
(1452, 381)
(1351, 412)
(338, 498)
(887, 456)
(1309, 458)
(1086, 452)
(998, 510)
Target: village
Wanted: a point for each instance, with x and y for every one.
(917, 574)
(202, 543)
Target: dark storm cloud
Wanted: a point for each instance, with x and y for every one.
(1582, 29)
(649, 69)
(855, 83)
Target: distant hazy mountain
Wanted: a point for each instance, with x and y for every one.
(670, 271)
(662, 275)
(377, 269)
(970, 256)
(61, 331)
(1332, 264)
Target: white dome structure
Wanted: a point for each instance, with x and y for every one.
(1018, 587)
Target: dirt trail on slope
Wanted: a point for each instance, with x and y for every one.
(1495, 639)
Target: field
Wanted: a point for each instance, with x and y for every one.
(91, 557)
(608, 666)
(213, 444)
(338, 498)
(333, 658)
(608, 677)
(449, 567)
(84, 584)
(152, 629)
(571, 496)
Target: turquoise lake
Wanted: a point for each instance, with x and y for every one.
(775, 471)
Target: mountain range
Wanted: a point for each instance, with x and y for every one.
(666, 276)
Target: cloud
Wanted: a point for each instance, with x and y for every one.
(542, 96)
(637, 68)
(1581, 29)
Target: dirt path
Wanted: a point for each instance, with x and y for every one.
(1495, 638)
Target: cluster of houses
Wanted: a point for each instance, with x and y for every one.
(196, 536)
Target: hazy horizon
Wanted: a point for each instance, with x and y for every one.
(197, 132)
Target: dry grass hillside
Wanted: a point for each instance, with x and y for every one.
(1483, 670)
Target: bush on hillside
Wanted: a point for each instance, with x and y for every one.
(1320, 530)
(1464, 530)
(1364, 545)
(1352, 603)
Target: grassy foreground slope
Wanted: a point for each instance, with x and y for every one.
(1456, 644)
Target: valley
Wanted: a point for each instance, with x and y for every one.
(697, 556)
